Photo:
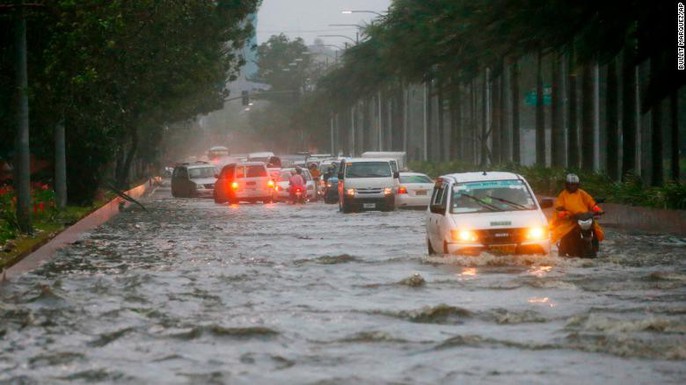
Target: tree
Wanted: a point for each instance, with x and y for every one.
(107, 71)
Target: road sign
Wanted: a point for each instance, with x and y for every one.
(530, 97)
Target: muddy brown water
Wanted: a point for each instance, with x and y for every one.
(197, 293)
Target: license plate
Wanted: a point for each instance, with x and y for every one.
(368, 205)
(420, 192)
(504, 249)
(250, 183)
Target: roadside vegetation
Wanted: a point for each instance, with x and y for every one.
(550, 181)
(47, 220)
(550, 83)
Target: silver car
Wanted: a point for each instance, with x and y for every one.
(193, 180)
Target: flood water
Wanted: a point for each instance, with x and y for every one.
(192, 292)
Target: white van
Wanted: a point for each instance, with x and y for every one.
(260, 156)
(495, 212)
(366, 184)
(399, 158)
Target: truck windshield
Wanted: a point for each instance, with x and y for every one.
(368, 170)
(489, 196)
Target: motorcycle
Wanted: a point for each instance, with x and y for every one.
(298, 195)
(331, 190)
(581, 241)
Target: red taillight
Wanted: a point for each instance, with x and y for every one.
(402, 190)
(234, 185)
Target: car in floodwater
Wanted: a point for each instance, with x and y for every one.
(193, 180)
(414, 190)
(282, 186)
(494, 212)
(244, 181)
(366, 184)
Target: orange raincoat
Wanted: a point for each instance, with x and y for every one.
(575, 203)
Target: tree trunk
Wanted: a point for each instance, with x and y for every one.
(504, 148)
(674, 156)
(657, 152)
(496, 147)
(514, 95)
(123, 182)
(22, 163)
(60, 166)
(540, 112)
(557, 130)
(611, 122)
(572, 129)
(483, 137)
(587, 132)
(456, 125)
(628, 112)
(430, 121)
(441, 124)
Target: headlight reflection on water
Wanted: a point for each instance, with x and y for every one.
(540, 271)
(541, 301)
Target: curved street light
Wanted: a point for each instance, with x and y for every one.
(347, 37)
(350, 11)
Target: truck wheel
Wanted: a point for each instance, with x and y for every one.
(430, 249)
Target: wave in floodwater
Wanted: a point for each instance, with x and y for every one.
(219, 294)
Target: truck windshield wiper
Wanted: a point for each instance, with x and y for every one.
(482, 203)
(513, 204)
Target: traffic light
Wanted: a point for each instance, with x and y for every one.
(245, 98)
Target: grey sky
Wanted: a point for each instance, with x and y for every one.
(309, 18)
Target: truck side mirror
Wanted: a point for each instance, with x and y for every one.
(437, 209)
(396, 175)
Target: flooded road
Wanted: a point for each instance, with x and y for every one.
(197, 293)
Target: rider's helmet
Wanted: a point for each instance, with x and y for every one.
(572, 183)
(298, 170)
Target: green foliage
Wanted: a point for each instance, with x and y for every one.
(117, 72)
(550, 181)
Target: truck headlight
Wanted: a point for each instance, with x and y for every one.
(536, 233)
(463, 236)
(388, 191)
(350, 191)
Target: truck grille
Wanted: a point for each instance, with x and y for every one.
(501, 236)
(369, 190)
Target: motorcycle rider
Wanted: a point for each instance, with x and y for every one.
(316, 176)
(331, 171)
(296, 181)
(571, 201)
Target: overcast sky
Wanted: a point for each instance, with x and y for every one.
(309, 18)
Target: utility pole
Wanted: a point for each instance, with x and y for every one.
(22, 166)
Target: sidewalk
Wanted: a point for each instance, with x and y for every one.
(644, 219)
